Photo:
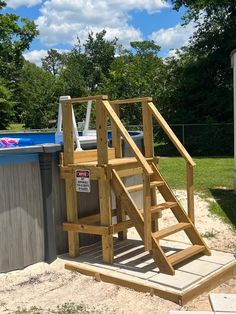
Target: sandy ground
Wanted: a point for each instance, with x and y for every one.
(47, 286)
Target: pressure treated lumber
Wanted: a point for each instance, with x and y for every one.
(170, 134)
(129, 101)
(127, 137)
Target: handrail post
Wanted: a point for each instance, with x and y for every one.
(116, 143)
(116, 139)
(101, 127)
(68, 158)
(190, 192)
(103, 183)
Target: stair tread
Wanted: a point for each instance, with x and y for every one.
(171, 230)
(185, 254)
(138, 187)
(162, 206)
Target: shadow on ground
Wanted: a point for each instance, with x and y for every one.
(225, 204)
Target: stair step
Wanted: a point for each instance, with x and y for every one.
(158, 208)
(185, 254)
(139, 187)
(171, 230)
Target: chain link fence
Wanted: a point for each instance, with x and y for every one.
(216, 139)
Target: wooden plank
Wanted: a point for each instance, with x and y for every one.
(127, 137)
(106, 218)
(125, 281)
(138, 187)
(121, 217)
(68, 132)
(171, 230)
(185, 254)
(123, 225)
(72, 216)
(91, 155)
(190, 192)
(116, 139)
(130, 100)
(101, 126)
(138, 221)
(130, 172)
(147, 213)
(75, 227)
(179, 212)
(208, 284)
(171, 134)
(86, 99)
(147, 130)
(68, 172)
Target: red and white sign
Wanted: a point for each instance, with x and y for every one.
(82, 181)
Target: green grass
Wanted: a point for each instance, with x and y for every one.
(213, 177)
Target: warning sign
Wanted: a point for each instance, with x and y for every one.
(82, 181)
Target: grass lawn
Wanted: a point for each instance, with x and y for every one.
(212, 176)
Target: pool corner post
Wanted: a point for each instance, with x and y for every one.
(233, 65)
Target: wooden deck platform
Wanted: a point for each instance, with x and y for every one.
(134, 268)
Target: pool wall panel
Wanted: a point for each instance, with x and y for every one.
(21, 216)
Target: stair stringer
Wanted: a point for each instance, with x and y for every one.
(128, 204)
(179, 211)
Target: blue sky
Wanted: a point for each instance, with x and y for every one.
(61, 21)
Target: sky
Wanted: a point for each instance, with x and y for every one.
(61, 22)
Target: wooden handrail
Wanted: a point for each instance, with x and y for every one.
(171, 134)
(129, 101)
(148, 170)
(85, 99)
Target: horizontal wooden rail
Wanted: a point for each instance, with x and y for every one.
(171, 134)
(129, 101)
(148, 170)
(85, 99)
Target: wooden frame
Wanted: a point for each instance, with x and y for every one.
(108, 166)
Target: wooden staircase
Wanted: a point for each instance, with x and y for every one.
(165, 264)
(110, 167)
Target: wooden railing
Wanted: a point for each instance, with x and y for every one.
(189, 161)
(149, 110)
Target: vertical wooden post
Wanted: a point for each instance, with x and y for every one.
(103, 183)
(116, 139)
(71, 195)
(147, 213)
(147, 130)
(116, 143)
(190, 192)
(148, 196)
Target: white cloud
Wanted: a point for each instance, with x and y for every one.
(173, 37)
(61, 21)
(19, 3)
(35, 56)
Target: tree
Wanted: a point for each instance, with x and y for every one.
(136, 73)
(39, 94)
(53, 62)
(6, 105)
(100, 54)
(16, 35)
(200, 80)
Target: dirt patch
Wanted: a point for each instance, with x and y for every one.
(47, 286)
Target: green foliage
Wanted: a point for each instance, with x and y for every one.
(6, 105)
(39, 96)
(16, 35)
(53, 62)
(136, 74)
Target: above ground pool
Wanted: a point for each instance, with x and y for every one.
(38, 138)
